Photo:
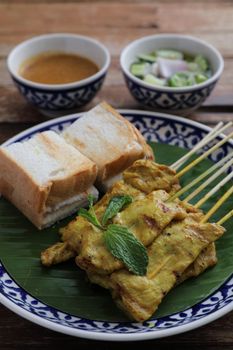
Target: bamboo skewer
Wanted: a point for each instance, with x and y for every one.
(214, 190)
(202, 143)
(209, 180)
(204, 155)
(225, 218)
(226, 161)
(217, 205)
(202, 176)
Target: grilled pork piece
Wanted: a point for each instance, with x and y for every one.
(141, 178)
(146, 219)
(207, 258)
(170, 254)
(147, 176)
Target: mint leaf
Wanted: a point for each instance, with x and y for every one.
(202, 62)
(91, 199)
(116, 204)
(118, 239)
(90, 214)
(90, 217)
(127, 248)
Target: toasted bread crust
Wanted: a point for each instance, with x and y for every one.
(121, 163)
(33, 198)
(147, 151)
(111, 157)
(21, 190)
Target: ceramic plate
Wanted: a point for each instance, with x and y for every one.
(51, 313)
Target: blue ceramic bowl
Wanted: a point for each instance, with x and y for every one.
(60, 99)
(173, 100)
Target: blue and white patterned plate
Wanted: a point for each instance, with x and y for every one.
(155, 127)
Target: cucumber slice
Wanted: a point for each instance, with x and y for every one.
(170, 54)
(202, 62)
(200, 78)
(147, 58)
(193, 67)
(151, 79)
(181, 79)
(140, 69)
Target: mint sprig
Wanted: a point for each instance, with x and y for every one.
(91, 218)
(118, 239)
(127, 248)
(90, 214)
(115, 205)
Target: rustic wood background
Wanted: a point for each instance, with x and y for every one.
(115, 23)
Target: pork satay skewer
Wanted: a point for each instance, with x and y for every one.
(210, 136)
(207, 257)
(91, 264)
(91, 258)
(169, 255)
(164, 269)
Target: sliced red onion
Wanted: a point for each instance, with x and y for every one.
(167, 68)
(155, 69)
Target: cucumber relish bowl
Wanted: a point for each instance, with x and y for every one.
(59, 99)
(175, 100)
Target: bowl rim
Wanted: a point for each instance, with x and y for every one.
(75, 84)
(184, 89)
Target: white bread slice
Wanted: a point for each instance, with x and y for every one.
(109, 140)
(46, 178)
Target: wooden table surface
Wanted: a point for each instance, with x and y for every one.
(115, 23)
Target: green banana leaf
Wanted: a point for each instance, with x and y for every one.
(65, 286)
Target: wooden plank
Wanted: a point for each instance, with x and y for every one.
(30, 336)
(208, 16)
(115, 40)
(121, 2)
(9, 130)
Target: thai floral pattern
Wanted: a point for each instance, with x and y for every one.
(173, 101)
(57, 100)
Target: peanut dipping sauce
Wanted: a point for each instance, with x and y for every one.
(57, 68)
